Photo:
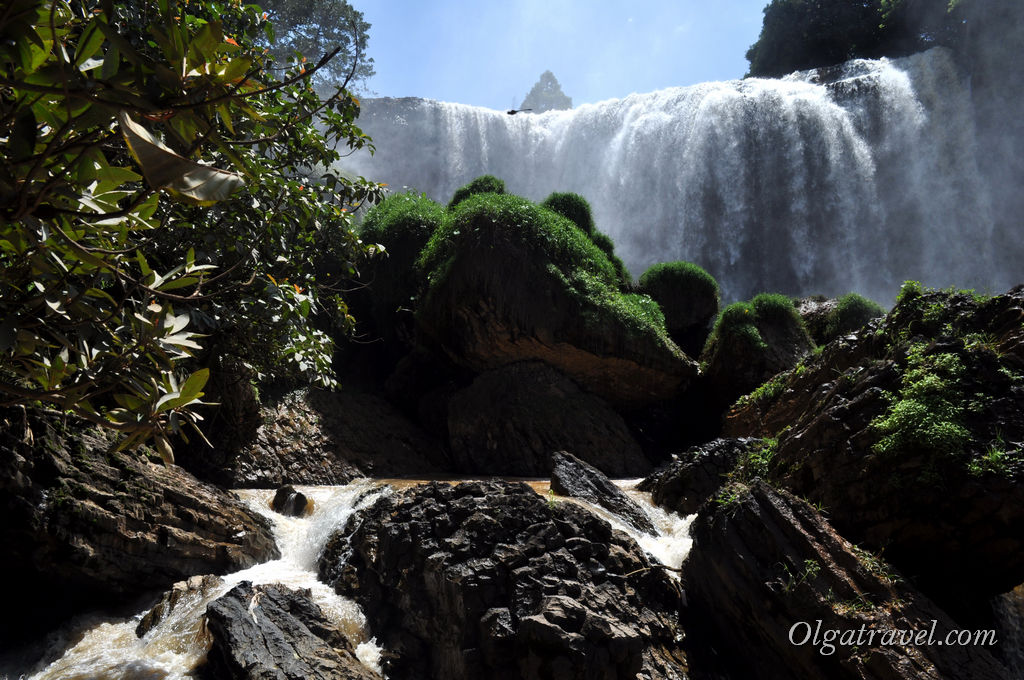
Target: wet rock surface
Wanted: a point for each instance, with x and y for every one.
(271, 632)
(510, 420)
(195, 587)
(766, 568)
(910, 434)
(690, 478)
(288, 501)
(488, 580)
(84, 526)
(570, 476)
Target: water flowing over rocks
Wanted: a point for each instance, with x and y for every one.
(271, 632)
(690, 478)
(87, 527)
(572, 477)
(766, 568)
(940, 489)
(487, 579)
(288, 501)
(510, 420)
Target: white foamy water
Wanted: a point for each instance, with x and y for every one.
(108, 649)
(855, 177)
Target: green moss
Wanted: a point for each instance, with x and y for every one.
(927, 416)
(484, 184)
(687, 294)
(486, 219)
(775, 307)
(574, 207)
(607, 246)
(850, 313)
(739, 321)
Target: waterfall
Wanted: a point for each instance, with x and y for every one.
(855, 177)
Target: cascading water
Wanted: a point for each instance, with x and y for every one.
(855, 177)
(109, 649)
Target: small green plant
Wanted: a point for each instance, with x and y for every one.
(995, 461)
(909, 291)
(875, 565)
(810, 571)
(850, 313)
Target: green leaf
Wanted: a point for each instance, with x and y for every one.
(180, 177)
(192, 389)
(90, 41)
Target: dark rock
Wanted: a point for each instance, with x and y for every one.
(317, 437)
(941, 487)
(288, 501)
(194, 589)
(511, 419)
(570, 476)
(766, 568)
(816, 311)
(275, 633)
(695, 475)
(86, 527)
(489, 580)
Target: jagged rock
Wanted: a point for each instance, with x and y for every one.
(271, 632)
(489, 580)
(910, 434)
(316, 437)
(288, 501)
(570, 476)
(510, 420)
(695, 475)
(190, 591)
(507, 282)
(766, 568)
(85, 527)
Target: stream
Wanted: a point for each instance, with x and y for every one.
(97, 647)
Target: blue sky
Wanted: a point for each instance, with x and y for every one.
(488, 53)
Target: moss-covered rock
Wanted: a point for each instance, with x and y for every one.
(829, 318)
(507, 280)
(751, 342)
(403, 224)
(572, 206)
(484, 184)
(910, 432)
(688, 296)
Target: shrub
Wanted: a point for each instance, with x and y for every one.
(850, 313)
(403, 224)
(607, 246)
(484, 184)
(688, 295)
(575, 208)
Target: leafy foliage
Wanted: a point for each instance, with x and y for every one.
(546, 95)
(850, 313)
(484, 184)
(108, 290)
(804, 34)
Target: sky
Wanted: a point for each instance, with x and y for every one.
(488, 53)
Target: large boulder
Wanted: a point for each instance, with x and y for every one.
(489, 580)
(85, 526)
(910, 433)
(511, 419)
(751, 342)
(509, 281)
(318, 437)
(571, 477)
(690, 478)
(781, 596)
(271, 632)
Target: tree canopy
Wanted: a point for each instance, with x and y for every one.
(803, 34)
(316, 27)
(546, 95)
(164, 197)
